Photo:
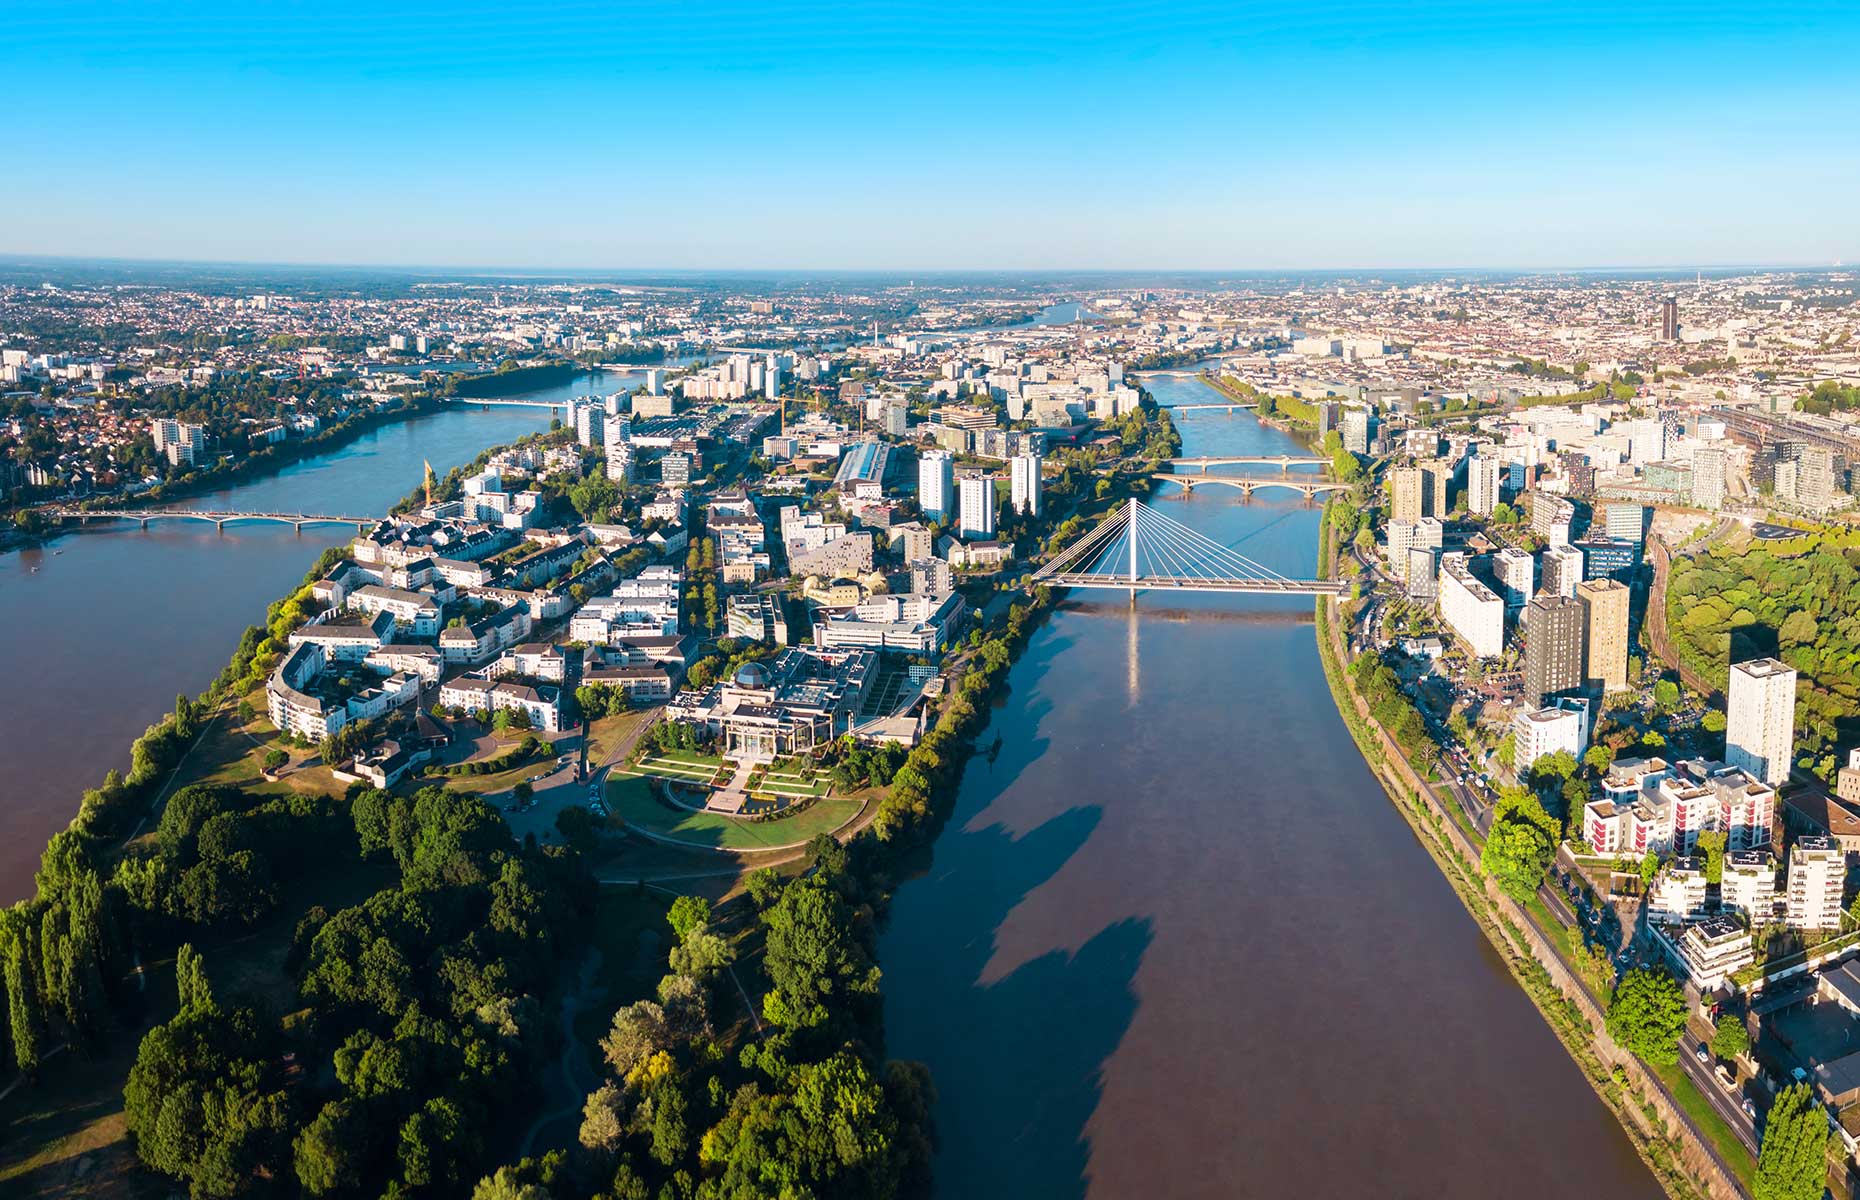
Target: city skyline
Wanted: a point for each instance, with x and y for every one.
(956, 138)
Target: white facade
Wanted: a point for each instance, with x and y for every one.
(1817, 873)
(936, 485)
(1482, 478)
(1540, 731)
(1517, 575)
(1678, 893)
(1025, 497)
(1749, 885)
(1759, 733)
(1471, 609)
(977, 501)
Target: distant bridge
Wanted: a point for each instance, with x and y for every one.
(1230, 407)
(220, 519)
(511, 403)
(1246, 485)
(1137, 549)
(1282, 461)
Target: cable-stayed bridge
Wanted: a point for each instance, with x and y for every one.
(1136, 549)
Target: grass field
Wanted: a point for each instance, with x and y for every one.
(633, 800)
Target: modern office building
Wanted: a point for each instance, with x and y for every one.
(1817, 875)
(1605, 634)
(1625, 522)
(1815, 487)
(1552, 648)
(1356, 430)
(1024, 481)
(977, 506)
(936, 488)
(1759, 732)
(1606, 558)
(1471, 609)
(1669, 319)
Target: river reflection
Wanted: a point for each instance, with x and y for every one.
(1174, 941)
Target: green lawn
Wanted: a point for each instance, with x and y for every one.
(677, 772)
(633, 800)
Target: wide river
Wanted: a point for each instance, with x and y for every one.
(105, 627)
(1174, 940)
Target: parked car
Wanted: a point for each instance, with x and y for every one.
(1726, 1080)
(1750, 1110)
(1702, 1054)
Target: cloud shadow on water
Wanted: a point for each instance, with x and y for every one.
(1017, 1060)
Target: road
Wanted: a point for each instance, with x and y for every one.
(1724, 1103)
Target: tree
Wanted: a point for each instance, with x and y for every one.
(603, 1121)
(190, 979)
(1647, 1014)
(688, 914)
(1598, 759)
(1666, 695)
(764, 887)
(1730, 1038)
(1520, 845)
(275, 759)
(812, 957)
(330, 1152)
(1792, 1162)
(1711, 845)
(1649, 867)
(576, 825)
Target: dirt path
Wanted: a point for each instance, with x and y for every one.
(574, 1077)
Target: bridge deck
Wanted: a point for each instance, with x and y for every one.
(1256, 587)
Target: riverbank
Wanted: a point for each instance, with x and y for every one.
(513, 381)
(1674, 1149)
(257, 465)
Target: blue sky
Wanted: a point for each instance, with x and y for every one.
(1146, 135)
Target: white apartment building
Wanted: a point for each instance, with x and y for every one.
(1817, 874)
(1517, 576)
(1540, 731)
(1025, 482)
(1562, 570)
(1759, 733)
(1648, 806)
(1678, 892)
(1711, 951)
(976, 497)
(1483, 476)
(1749, 885)
(1471, 609)
(936, 489)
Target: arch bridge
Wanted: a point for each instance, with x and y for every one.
(1284, 462)
(220, 519)
(1247, 485)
